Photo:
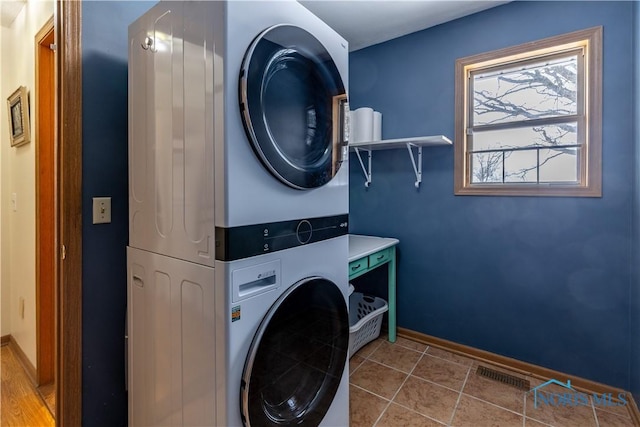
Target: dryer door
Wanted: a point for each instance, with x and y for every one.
(297, 357)
(293, 105)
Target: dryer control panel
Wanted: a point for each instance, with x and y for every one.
(251, 240)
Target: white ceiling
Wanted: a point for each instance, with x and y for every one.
(9, 9)
(367, 22)
(362, 22)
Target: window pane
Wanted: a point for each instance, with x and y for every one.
(516, 150)
(534, 136)
(532, 91)
(486, 167)
(560, 165)
(521, 166)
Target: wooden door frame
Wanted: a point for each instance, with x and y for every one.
(46, 215)
(69, 189)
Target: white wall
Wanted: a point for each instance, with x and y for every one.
(17, 175)
(5, 295)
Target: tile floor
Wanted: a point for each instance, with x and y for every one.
(410, 384)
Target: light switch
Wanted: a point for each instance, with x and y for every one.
(101, 210)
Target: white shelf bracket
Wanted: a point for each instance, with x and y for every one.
(416, 159)
(365, 170)
(416, 169)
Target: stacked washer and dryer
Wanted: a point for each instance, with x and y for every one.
(238, 217)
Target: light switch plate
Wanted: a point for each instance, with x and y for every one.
(101, 210)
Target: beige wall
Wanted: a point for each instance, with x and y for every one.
(5, 295)
(17, 176)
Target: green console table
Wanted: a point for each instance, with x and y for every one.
(367, 253)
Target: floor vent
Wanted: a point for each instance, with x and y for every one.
(511, 380)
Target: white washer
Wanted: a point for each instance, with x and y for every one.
(253, 352)
(282, 337)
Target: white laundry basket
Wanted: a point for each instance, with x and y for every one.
(365, 319)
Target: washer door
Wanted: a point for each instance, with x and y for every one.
(297, 358)
(293, 103)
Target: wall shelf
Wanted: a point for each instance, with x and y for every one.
(386, 144)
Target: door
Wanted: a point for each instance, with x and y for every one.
(293, 103)
(45, 207)
(297, 357)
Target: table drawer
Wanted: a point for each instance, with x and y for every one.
(358, 265)
(379, 257)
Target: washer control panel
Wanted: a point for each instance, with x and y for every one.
(250, 240)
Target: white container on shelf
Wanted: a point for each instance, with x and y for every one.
(363, 124)
(377, 126)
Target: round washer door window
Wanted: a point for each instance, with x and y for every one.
(292, 103)
(297, 357)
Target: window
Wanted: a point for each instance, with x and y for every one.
(528, 119)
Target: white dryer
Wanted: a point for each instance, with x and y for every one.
(237, 117)
(285, 83)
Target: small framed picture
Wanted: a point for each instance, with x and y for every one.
(18, 108)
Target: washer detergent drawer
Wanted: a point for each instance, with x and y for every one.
(255, 280)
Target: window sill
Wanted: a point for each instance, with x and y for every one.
(533, 190)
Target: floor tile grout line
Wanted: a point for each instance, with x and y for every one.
(356, 368)
(460, 392)
(408, 348)
(399, 345)
(532, 417)
(374, 349)
(411, 372)
(595, 415)
(608, 411)
(539, 422)
(389, 366)
(398, 390)
(419, 413)
(368, 391)
(426, 353)
(440, 385)
(493, 404)
(455, 407)
(449, 360)
(420, 354)
(524, 409)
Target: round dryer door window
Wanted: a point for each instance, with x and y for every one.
(297, 357)
(292, 103)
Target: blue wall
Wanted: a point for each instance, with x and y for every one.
(635, 266)
(543, 280)
(104, 173)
